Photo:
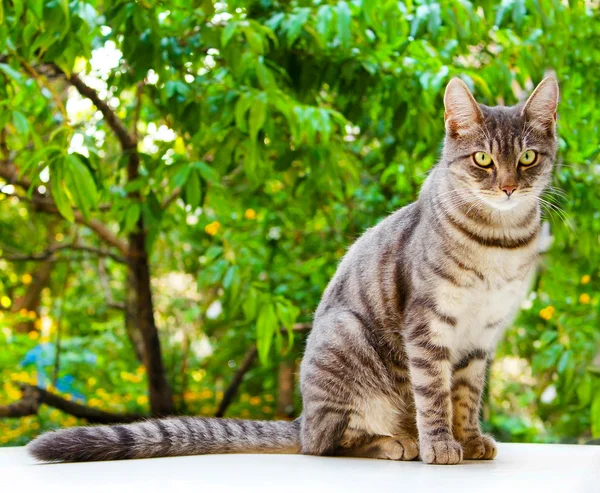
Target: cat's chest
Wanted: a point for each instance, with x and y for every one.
(484, 309)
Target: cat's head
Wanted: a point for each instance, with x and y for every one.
(502, 155)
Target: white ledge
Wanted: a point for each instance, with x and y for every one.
(518, 468)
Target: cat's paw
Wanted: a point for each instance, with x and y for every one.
(398, 447)
(441, 452)
(480, 448)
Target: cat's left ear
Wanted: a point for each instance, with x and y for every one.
(540, 108)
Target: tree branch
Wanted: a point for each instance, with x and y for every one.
(49, 253)
(128, 140)
(161, 401)
(247, 363)
(236, 381)
(34, 396)
(9, 173)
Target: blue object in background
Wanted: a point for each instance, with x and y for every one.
(43, 355)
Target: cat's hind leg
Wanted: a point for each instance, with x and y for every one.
(339, 368)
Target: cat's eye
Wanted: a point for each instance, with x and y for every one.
(528, 158)
(483, 159)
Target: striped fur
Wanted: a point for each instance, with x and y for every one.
(165, 438)
(395, 364)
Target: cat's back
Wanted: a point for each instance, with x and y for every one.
(373, 275)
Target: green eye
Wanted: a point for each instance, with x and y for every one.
(483, 159)
(528, 157)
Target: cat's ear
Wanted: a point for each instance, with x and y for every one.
(540, 108)
(462, 114)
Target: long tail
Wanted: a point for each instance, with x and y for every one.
(166, 437)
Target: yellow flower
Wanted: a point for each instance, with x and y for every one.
(212, 228)
(584, 299)
(269, 398)
(206, 394)
(33, 335)
(5, 302)
(142, 400)
(92, 381)
(59, 237)
(179, 146)
(250, 214)
(547, 313)
(26, 279)
(267, 409)
(32, 314)
(586, 279)
(23, 312)
(255, 401)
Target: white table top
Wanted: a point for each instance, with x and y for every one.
(518, 468)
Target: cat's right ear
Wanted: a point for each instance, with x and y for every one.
(462, 115)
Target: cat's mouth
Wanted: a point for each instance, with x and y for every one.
(501, 203)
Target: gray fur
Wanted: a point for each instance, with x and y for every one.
(395, 364)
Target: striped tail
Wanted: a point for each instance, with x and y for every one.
(166, 438)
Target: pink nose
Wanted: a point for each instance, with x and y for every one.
(509, 189)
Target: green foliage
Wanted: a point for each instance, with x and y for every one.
(281, 130)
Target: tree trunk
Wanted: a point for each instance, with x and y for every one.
(131, 318)
(159, 391)
(285, 394)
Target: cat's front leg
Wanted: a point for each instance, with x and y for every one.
(467, 385)
(431, 379)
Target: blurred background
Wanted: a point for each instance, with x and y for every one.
(178, 180)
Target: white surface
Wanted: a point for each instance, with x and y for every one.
(518, 468)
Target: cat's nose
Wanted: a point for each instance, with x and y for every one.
(509, 189)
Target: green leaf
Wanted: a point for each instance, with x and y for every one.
(563, 362)
(344, 21)
(61, 199)
(254, 39)
(241, 108)
(37, 7)
(21, 124)
(232, 282)
(131, 217)
(12, 73)
(258, 114)
(193, 190)
(287, 314)
(64, 5)
(207, 172)
(294, 24)
(81, 185)
(265, 78)
(228, 33)
(324, 22)
(250, 305)
(584, 391)
(181, 176)
(266, 325)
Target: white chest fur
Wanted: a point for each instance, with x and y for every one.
(483, 310)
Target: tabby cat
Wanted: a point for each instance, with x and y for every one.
(396, 361)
